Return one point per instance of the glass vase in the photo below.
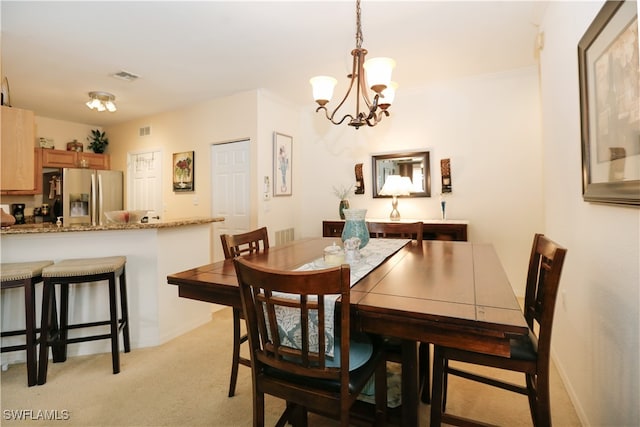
(355, 226)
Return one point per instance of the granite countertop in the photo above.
(52, 228)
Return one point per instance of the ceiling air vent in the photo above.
(125, 75)
(144, 131)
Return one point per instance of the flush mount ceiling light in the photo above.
(101, 101)
(378, 78)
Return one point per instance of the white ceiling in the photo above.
(54, 53)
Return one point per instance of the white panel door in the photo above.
(144, 182)
(230, 174)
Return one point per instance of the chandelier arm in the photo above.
(378, 117)
(354, 76)
(362, 81)
(330, 118)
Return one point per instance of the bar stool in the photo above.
(25, 275)
(78, 271)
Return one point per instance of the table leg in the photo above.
(409, 383)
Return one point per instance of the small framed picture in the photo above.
(282, 164)
(183, 171)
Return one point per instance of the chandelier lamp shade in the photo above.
(396, 185)
(102, 101)
(371, 75)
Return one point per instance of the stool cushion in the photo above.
(10, 271)
(84, 266)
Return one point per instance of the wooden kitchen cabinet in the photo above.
(72, 159)
(431, 229)
(37, 177)
(17, 158)
(95, 161)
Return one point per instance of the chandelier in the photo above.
(378, 79)
(101, 101)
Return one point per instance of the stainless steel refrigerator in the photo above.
(87, 194)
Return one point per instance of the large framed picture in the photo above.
(282, 164)
(183, 171)
(609, 77)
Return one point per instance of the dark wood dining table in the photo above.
(449, 293)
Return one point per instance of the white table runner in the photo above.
(372, 255)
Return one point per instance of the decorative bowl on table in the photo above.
(125, 217)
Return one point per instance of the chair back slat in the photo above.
(247, 243)
(405, 230)
(265, 291)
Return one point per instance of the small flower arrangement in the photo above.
(342, 192)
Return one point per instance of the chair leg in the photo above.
(258, 409)
(124, 312)
(294, 415)
(381, 394)
(538, 392)
(235, 361)
(437, 398)
(424, 366)
(113, 322)
(445, 384)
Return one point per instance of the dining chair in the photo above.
(408, 230)
(294, 365)
(529, 355)
(234, 245)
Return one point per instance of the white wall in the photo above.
(596, 331)
(277, 115)
(489, 126)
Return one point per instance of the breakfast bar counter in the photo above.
(48, 227)
(153, 251)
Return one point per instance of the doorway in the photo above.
(144, 182)
(230, 186)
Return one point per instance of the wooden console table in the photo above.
(432, 229)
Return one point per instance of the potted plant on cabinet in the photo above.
(97, 141)
(342, 193)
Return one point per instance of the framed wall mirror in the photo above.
(414, 165)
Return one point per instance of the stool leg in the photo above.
(45, 325)
(59, 345)
(124, 308)
(113, 309)
(30, 331)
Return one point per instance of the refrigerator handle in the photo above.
(100, 201)
(94, 199)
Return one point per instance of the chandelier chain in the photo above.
(359, 38)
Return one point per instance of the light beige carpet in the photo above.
(184, 383)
